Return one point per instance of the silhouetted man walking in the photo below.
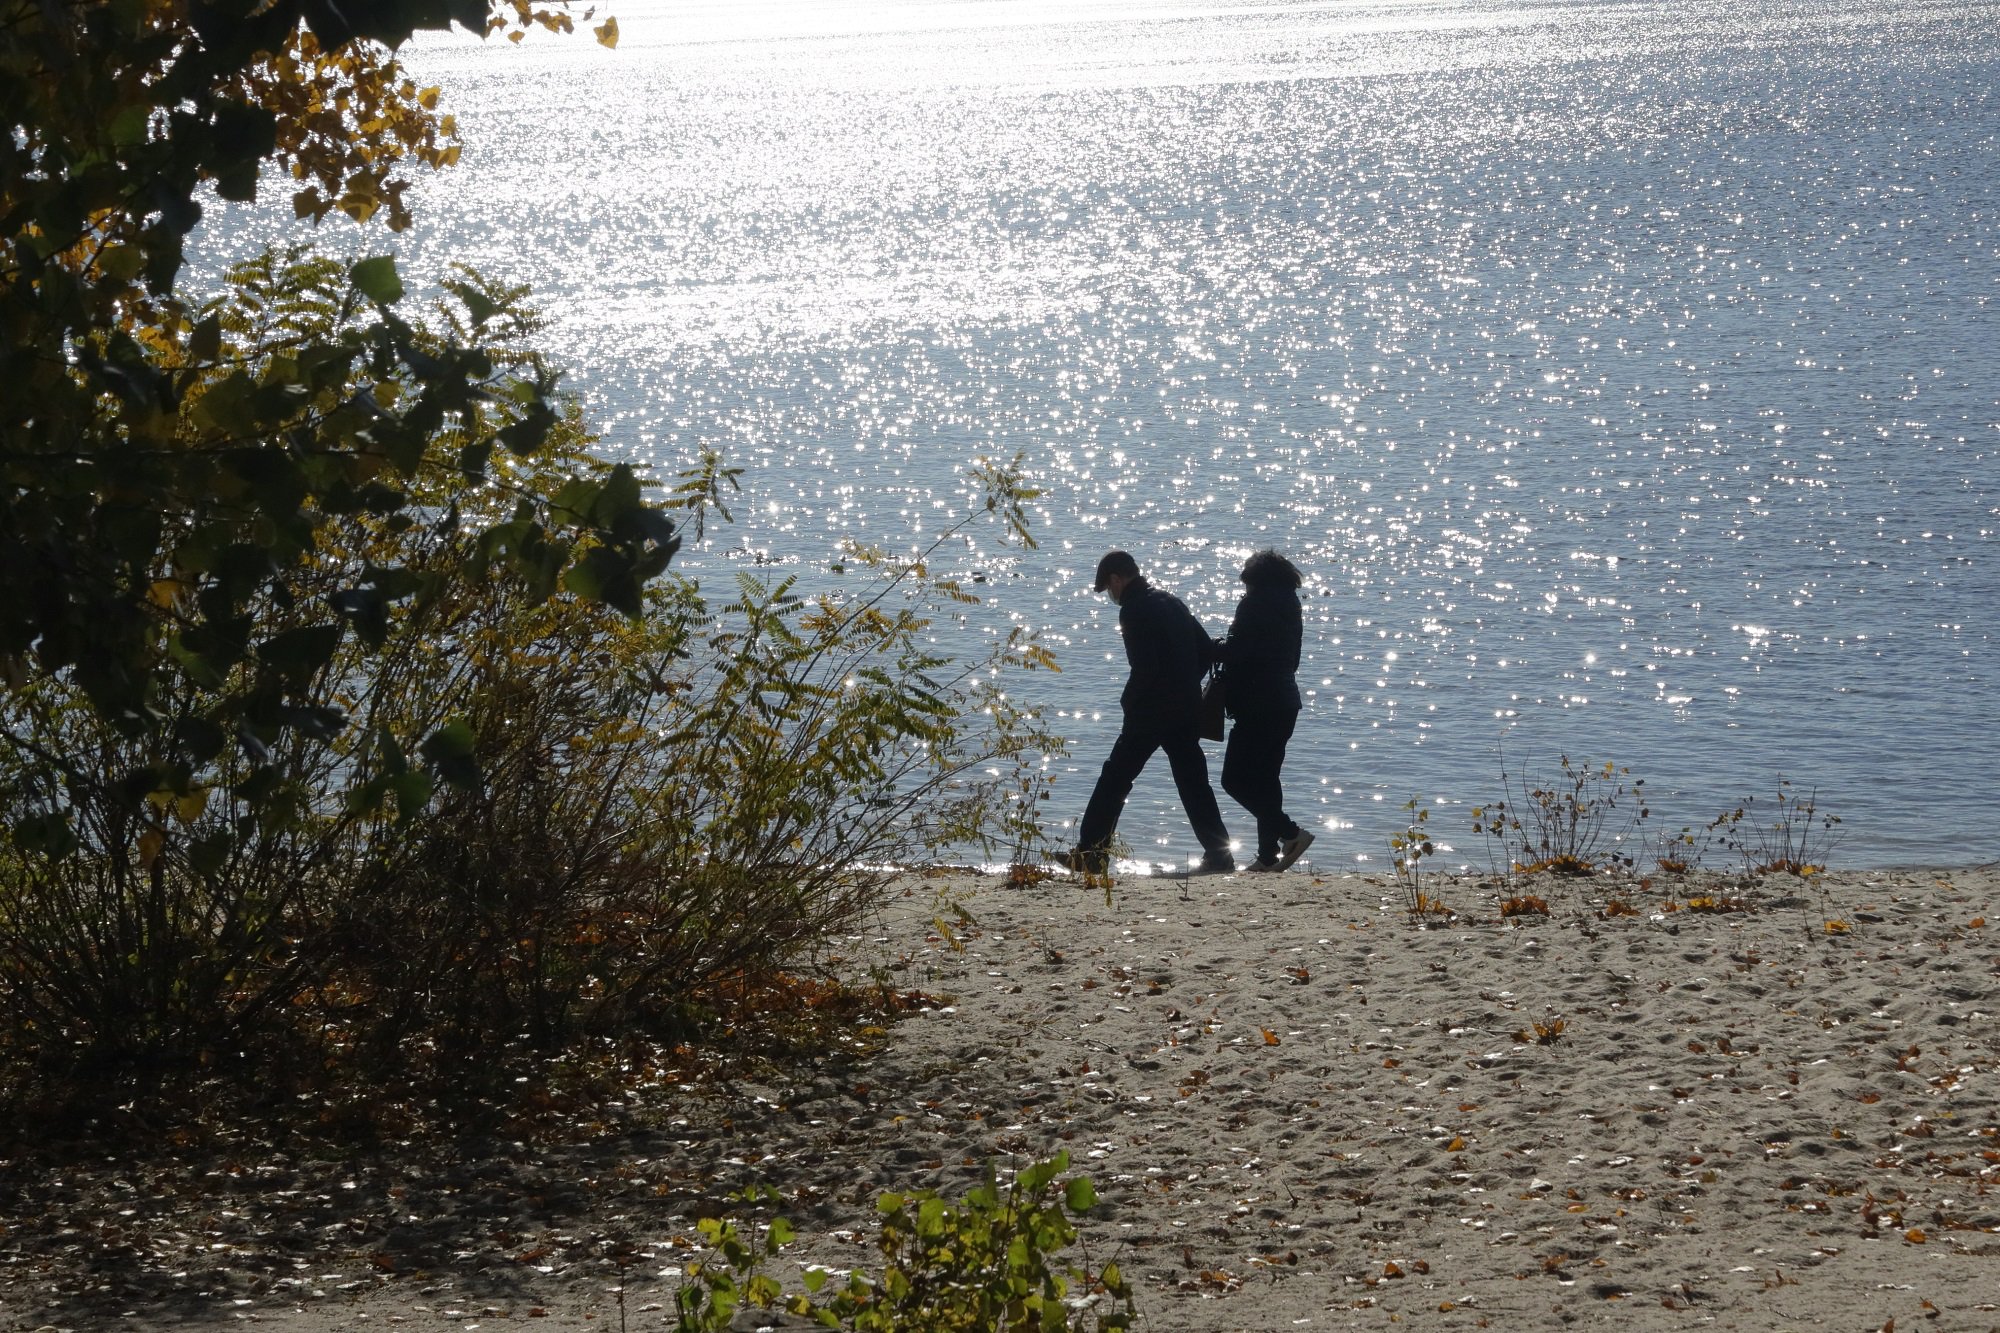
(1168, 651)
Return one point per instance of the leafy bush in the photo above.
(171, 860)
(980, 1266)
(497, 806)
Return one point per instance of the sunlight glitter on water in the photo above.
(1621, 374)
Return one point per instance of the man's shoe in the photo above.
(1217, 863)
(1261, 867)
(1292, 848)
(1085, 862)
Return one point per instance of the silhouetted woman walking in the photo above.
(1261, 658)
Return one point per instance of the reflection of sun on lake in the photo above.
(1619, 374)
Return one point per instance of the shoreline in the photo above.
(1299, 1109)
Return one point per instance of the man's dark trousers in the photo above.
(1128, 757)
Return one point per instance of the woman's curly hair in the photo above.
(1268, 569)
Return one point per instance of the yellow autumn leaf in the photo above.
(190, 806)
(150, 843)
(607, 33)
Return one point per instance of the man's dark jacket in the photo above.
(1261, 653)
(1169, 652)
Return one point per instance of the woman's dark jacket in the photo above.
(1169, 651)
(1262, 652)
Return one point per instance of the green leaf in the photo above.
(412, 790)
(237, 182)
(576, 499)
(367, 610)
(123, 262)
(606, 575)
(132, 533)
(49, 834)
(130, 125)
(204, 670)
(205, 340)
(1036, 1177)
(404, 441)
(297, 654)
(450, 751)
(199, 738)
(528, 434)
(377, 280)
(478, 306)
(366, 798)
(1080, 1194)
(225, 406)
(618, 496)
(318, 721)
(209, 853)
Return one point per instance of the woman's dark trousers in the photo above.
(1250, 768)
(1128, 756)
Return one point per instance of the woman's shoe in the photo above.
(1293, 848)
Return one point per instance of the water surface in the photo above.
(1623, 374)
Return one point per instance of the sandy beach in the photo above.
(1301, 1109)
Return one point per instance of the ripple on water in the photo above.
(1620, 374)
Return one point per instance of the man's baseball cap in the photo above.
(1118, 562)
